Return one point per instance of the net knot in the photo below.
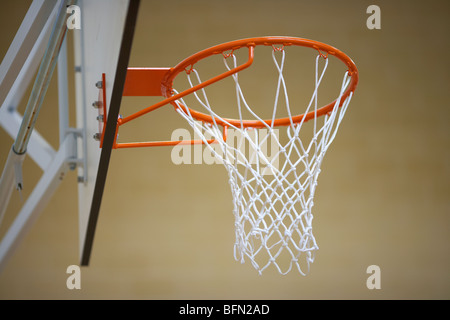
(189, 69)
(227, 55)
(325, 56)
(279, 49)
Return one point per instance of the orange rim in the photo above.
(187, 65)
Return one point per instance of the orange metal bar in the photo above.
(144, 83)
(160, 143)
(164, 143)
(190, 90)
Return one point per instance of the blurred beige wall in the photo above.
(167, 231)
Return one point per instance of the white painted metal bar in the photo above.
(17, 69)
(37, 201)
(29, 68)
(43, 78)
(20, 48)
(81, 116)
(38, 149)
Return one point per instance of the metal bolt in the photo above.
(99, 84)
(97, 136)
(100, 118)
(97, 104)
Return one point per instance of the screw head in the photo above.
(97, 136)
(99, 84)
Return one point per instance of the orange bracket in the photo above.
(146, 82)
(152, 82)
(157, 82)
(142, 82)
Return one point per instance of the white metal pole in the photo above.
(63, 92)
(81, 116)
(42, 79)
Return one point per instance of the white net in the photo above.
(272, 191)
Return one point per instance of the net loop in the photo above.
(323, 55)
(227, 55)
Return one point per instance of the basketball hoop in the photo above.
(272, 195)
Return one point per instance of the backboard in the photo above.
(102, 47)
